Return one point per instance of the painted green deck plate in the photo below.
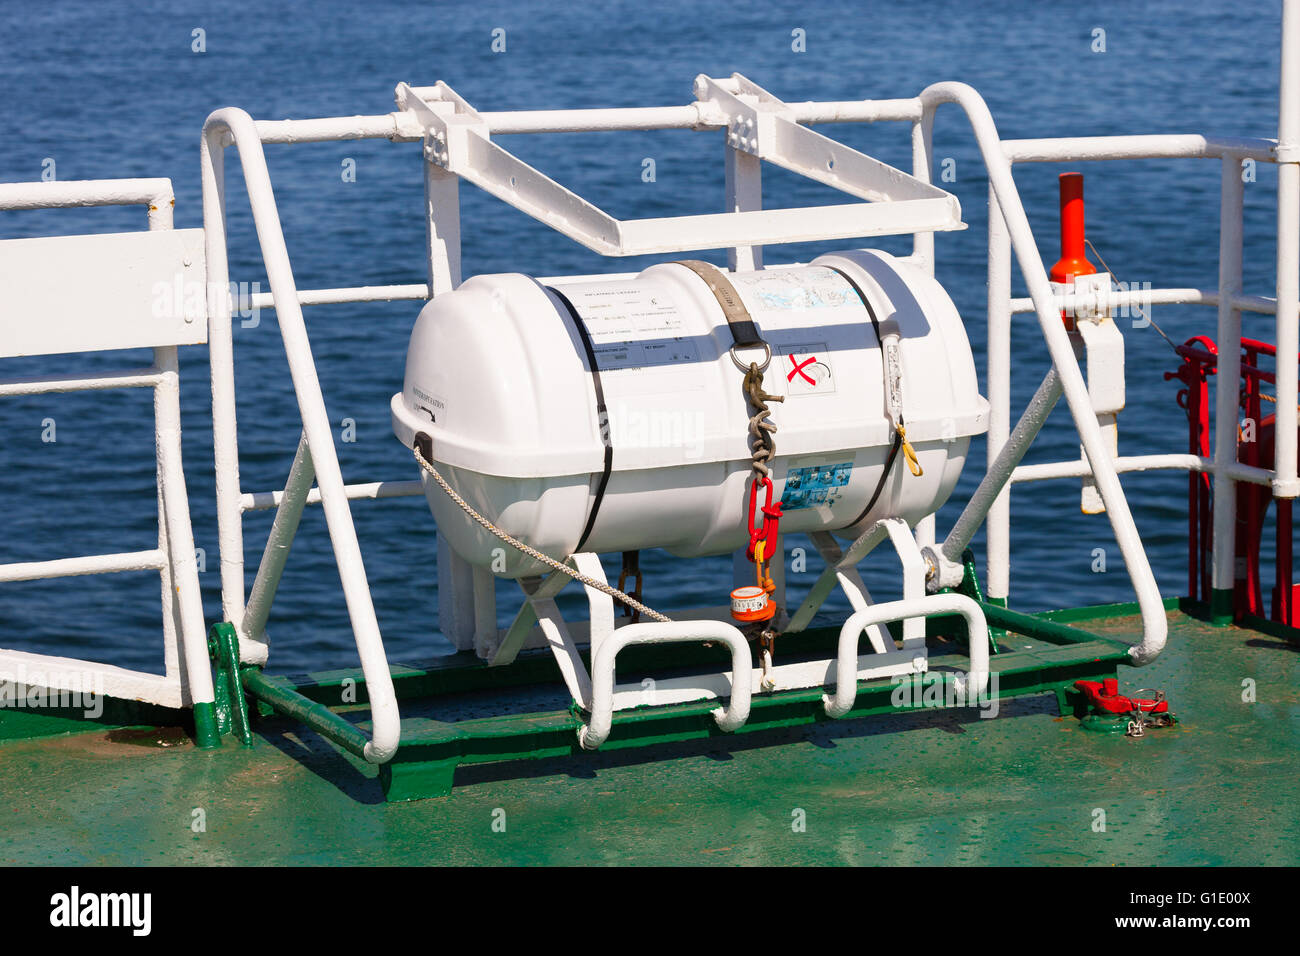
(940, 787)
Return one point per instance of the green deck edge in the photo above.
(431, 750)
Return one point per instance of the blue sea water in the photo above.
(116, 90)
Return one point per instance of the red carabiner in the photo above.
(771, 518)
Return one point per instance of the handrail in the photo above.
(596, 730)
(1154, 624)
(846, 667)
(235, 127)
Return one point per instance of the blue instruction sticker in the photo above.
(815, 485)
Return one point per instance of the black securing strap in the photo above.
(602, 414)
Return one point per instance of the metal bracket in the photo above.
(762, 125)
(231, 708)
(457, 139)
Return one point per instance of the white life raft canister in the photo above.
(609, 415)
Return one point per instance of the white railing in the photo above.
(1227, 299)
(187, 679)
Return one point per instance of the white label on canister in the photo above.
(814, 287)
(429, 404)
(806, 368)
(637, 333)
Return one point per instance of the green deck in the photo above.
(938, 787)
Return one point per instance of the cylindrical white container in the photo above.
(499, 375)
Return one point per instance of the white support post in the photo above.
(744, 184)
(909, 555)
(841, 570)
(1227, 390)
(221, 358)
(923, 256)
(922, 169)
(1286, 484)
(184, 604)
(442, 228)
(467, 611)
(997, 529)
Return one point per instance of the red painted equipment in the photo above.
(1105, 697)
(1200, 360)
(1073, 261)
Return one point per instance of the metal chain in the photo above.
(761, 430)
(532, 552)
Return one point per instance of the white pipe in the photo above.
(176, 533)
(846, 666)
(371, 293)
(1078, 468)
(154, 193)
(221, 363)
(1154, 624)
(316, 425)
(143, 378)
(1286, 484)
(1160, 146)
(998, 474)
(152, 560)
(276, 553)
(1115, 299)
(404, 127)
(372, 490)
(596, 731)
(922, 146)
(395, 126)
(998, 528)
(1228, 377)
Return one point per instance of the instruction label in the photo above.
(633, 329)
(815, 485)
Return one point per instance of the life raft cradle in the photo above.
(457, 146)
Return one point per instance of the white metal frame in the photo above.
(457, 144)
(1227, 298)
(187, 679)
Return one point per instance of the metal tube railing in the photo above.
(1154, 623)
(239, 127)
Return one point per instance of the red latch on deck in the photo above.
(1105, 697)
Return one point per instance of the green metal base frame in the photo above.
(431, 750)
(430, 753)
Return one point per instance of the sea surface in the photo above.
(99, 90)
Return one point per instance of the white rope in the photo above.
(534, 553)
